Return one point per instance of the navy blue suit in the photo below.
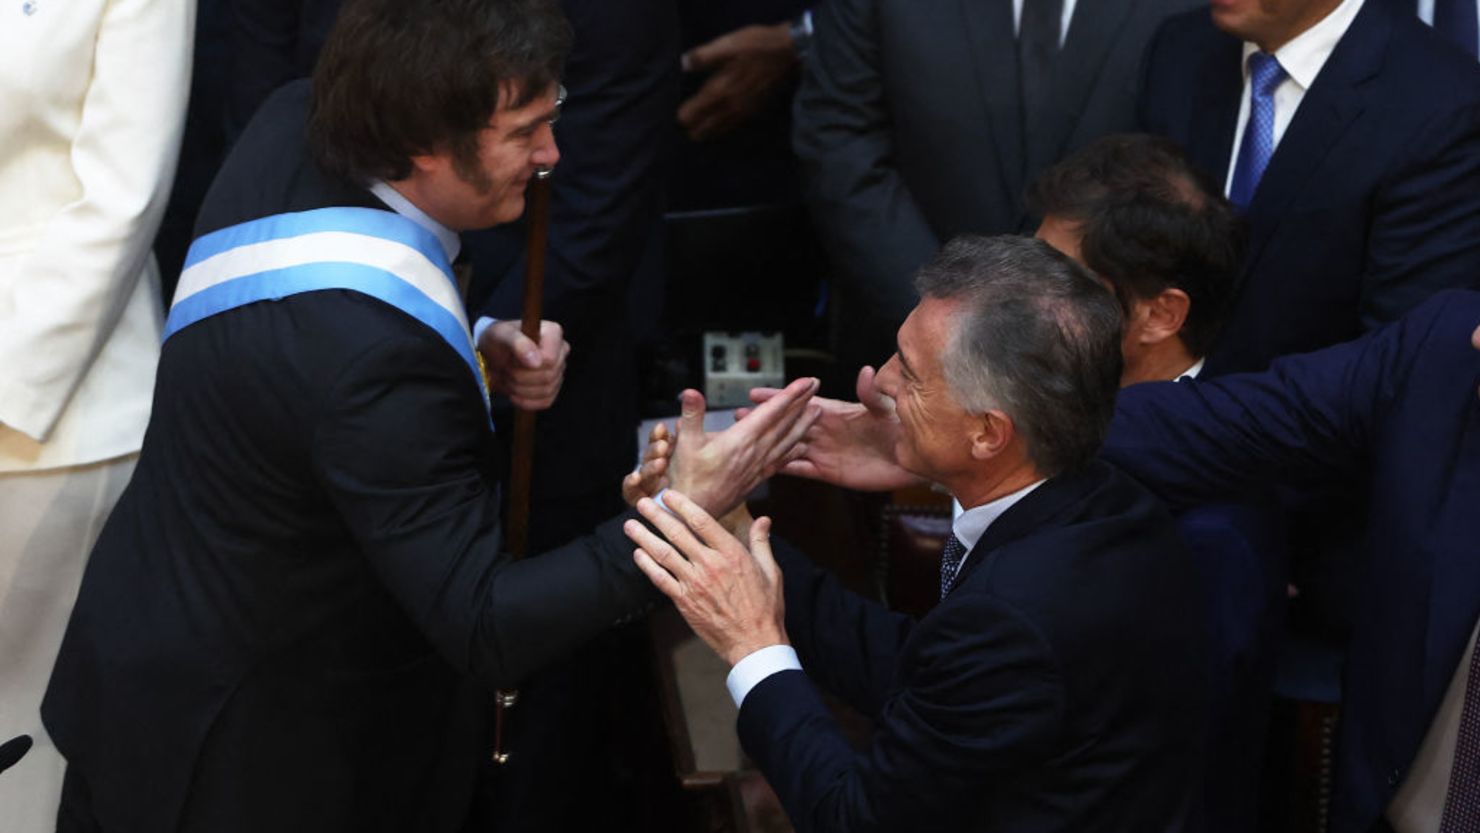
(1056, 688)
(293, 617)
(1371, 202)
(1397, 411)
(1240, 553)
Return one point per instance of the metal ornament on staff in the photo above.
(521, 468)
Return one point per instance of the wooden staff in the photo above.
(521, 468)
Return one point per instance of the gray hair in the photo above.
(1037, 337)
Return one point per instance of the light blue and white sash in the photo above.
(366, 250)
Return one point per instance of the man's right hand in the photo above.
(851, 444)
(718, 470)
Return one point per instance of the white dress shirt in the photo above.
(451, 242)
(969, 527)
(1301, 59)
(1017, 18)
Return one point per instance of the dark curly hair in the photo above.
(401, 78)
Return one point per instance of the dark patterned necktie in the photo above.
(950, 563)
(1462, 804)
(1038, 48)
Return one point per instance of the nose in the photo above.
(546, 154)
(887, 379)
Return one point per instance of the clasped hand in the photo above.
(529, 374)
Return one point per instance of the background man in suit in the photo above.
(94, 103)
(292, 618)
(1054, 687)
(1395, 411)
(1135, 212)
(1349, 133)
(916, 122)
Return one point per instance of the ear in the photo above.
(992, 433)
(1162, 317)
(429, 163)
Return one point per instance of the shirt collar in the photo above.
(1191, 372)
(1305, 54)
(451, 243)
(972, 523)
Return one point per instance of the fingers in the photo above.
(777, 409)
(524, 348)
(707, 55)
(660, 577)
(659, 550)
(673, 530)
(691, 414)
(773, 437)
(552, 340)
(760, 544)
(702, 524)
(803, 468)
(784, 449)
(659, 432)
(870, 395)
(761, 395)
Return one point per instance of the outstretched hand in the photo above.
(717, 470)
(729, 595)
(851, 444)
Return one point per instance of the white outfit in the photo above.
(92, 105)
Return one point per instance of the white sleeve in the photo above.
(758, 665)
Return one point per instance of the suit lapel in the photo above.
(1032, 513)
(1215, 112)
(1330, 106)
(1093, 29)
(987, 25)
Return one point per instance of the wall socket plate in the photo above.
(736, 362)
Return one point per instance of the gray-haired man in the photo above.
(1054, 687)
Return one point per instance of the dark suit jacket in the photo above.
(1058, 687)
(1397, 411)
(1240, 556)
(283, 621)
(909, 129)
(1371, 202)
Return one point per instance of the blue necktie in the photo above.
(950, 563)
(1265, 74)
(1456, 20)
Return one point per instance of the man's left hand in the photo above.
(731, 597)
(529, 374)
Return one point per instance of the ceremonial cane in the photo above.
(521, 469)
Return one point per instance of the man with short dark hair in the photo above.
(1055, 685)
(294, 617)
(1134, 211)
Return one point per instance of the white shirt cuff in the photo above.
(482, 324)
(758, 665)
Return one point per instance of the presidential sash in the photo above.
(365, 250)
